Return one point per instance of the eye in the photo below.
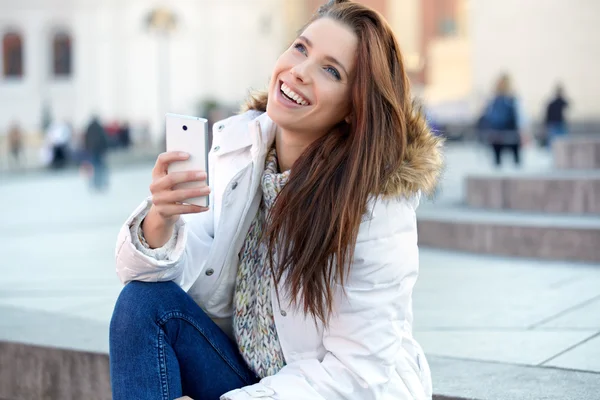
(301, 48)
(334, 72)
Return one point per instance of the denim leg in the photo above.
(163, 346)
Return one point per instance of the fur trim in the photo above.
(422, 165)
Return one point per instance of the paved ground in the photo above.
(58, 286)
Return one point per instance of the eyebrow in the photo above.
(328, 58)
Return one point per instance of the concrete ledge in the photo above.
(577, 152)
(33, 372)
(554, 194)
(545, 242)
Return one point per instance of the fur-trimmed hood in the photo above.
(422, 165)
(420, 170)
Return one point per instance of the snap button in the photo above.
(209, 272)
(234, 185)
(221, 127)
(283, 313)
(217, 148)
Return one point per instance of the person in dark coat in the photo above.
(555, 122)
(96, 146)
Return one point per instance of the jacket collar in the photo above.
(252, 128)
(263, 131)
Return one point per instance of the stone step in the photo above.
(35, 372)
(510, 233)
(579, 152)
(575, 192)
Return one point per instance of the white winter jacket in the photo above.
(367, 351)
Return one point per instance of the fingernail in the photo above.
(199, 174)
(183, 154)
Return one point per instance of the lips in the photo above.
(293, 95)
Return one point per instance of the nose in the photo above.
(300, 72)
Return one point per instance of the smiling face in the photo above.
(310, 90)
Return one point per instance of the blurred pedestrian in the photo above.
(96, 146)
(500, 126)
(555, 122)
(58, 138)
(15, 144)
(112, 130)
(124, 135)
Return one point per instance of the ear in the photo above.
(348, 118)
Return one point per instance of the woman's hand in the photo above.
(167, 201)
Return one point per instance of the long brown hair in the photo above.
(313, 225)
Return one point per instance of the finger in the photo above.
(167, 182)
(172, 210)
(179, 196)
(163, 161)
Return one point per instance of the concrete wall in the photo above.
(405, 18)
(448, 70)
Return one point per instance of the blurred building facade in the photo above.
(136, 60)
(131, 60)
(457, 49)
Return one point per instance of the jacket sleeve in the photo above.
(182, 260)
(368, 339)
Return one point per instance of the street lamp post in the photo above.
(162, 22)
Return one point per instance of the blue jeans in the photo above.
(163, 346)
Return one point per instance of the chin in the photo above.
(290, 119)
(280, 118)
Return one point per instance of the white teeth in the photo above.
(293, 95)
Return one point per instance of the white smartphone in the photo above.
(190, 135)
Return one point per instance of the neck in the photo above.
(289, 147)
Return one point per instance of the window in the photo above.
(61, 55)
(12, 55)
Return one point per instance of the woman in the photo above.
(501, 124)
(297, 282)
